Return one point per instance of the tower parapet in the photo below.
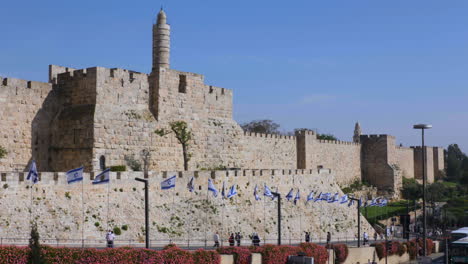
(161, 42)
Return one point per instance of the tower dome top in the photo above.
(161, 17)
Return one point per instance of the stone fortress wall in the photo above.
(176, 213)
(99, 117)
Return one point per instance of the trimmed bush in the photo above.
(118, 168)
(242, 255)
(341, 252)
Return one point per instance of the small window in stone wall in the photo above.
(102, 163)
(182, 83)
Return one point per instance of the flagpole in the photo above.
(173, 211)
(206, 215)
(222, 219)
(108, 202)
(190, 220)
(82, 212)
(264, 220)
(31, 206)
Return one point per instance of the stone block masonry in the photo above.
(99, 117)
(175, 214)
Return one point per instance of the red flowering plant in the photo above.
(206, 257)
(341, 252)
(175, 255)
(272, 254)
(17, 255)
(319, 253)
(242, 255)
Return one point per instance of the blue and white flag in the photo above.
(103, 177)
(232, 191)
(212, 188)
(373, 202)
(168, 183)
(223, 192)
(326, 197)
(75, 175)
(344, 199)
(33, 175)
(351, 202)
(310, 197)
(297, 197)
(334, 198)
(383, 202)
(289, 196)
(190, 185)
(257, 198)
(267, 191)
(318, 198)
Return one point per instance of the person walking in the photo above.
(375, 236)
(110, 239)
(307, 237)
(216, 240)
(231, 240)
(255, 240)
(366, 238)
(238, 239)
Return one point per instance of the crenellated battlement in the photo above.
(377, 136)
(33, 86)
(124, 74)
(59, 178)
(218, 91)
(261, 135)
(338, 142)
(306, 132)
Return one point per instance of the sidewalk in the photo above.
(435, 258)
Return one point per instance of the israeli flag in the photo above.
(257, 198)
(344, 199)
(168, 183)
(267, 191)
(326, 197)
(190, 185)
(33, 175)
(297, 197)
(334, 198)
(373, 202)
(232, 191)
(383, 202)
(310, 197)
(103, 177)
(75, 175)
(289, 196)
(351, 202)
(223, 192)
(318, 198)
(212, 188)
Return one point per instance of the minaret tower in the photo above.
(357, 133)
(161, 42)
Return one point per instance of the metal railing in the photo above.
(159, 244)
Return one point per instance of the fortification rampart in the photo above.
(174, 214)
(269, 151)
(429, 163)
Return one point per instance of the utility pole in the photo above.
(145, 181)
(278, 195)
(359, 220)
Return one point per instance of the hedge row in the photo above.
(171, 254)
(413, 248)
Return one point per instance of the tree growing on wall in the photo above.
(261, 126)
(183, 135)
(326, 137)
(3, 152)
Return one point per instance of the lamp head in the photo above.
(422, 126)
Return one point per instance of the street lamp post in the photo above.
(359, 220)
(422, 127)
(145, 181)
(278, 195)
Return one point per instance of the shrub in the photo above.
(175, 255)
(242, 255)
(118, 168)
(341, 252)
(117, 231)
(206, 257)
(125, 227)
(319, 253)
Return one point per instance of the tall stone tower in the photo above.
(357, 133)
(161, 42)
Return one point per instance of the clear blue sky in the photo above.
(313, 64)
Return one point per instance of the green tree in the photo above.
(261, 126)
(3, 152)
(411, 190)
(183, 135)
(326, 137)
(457, 162)
(34, 245)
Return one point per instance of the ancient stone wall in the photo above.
(24, 119)
(439, 165)
(405, 161)
(429, 163)
(175, 214)
(344, 158)
(269, 151)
